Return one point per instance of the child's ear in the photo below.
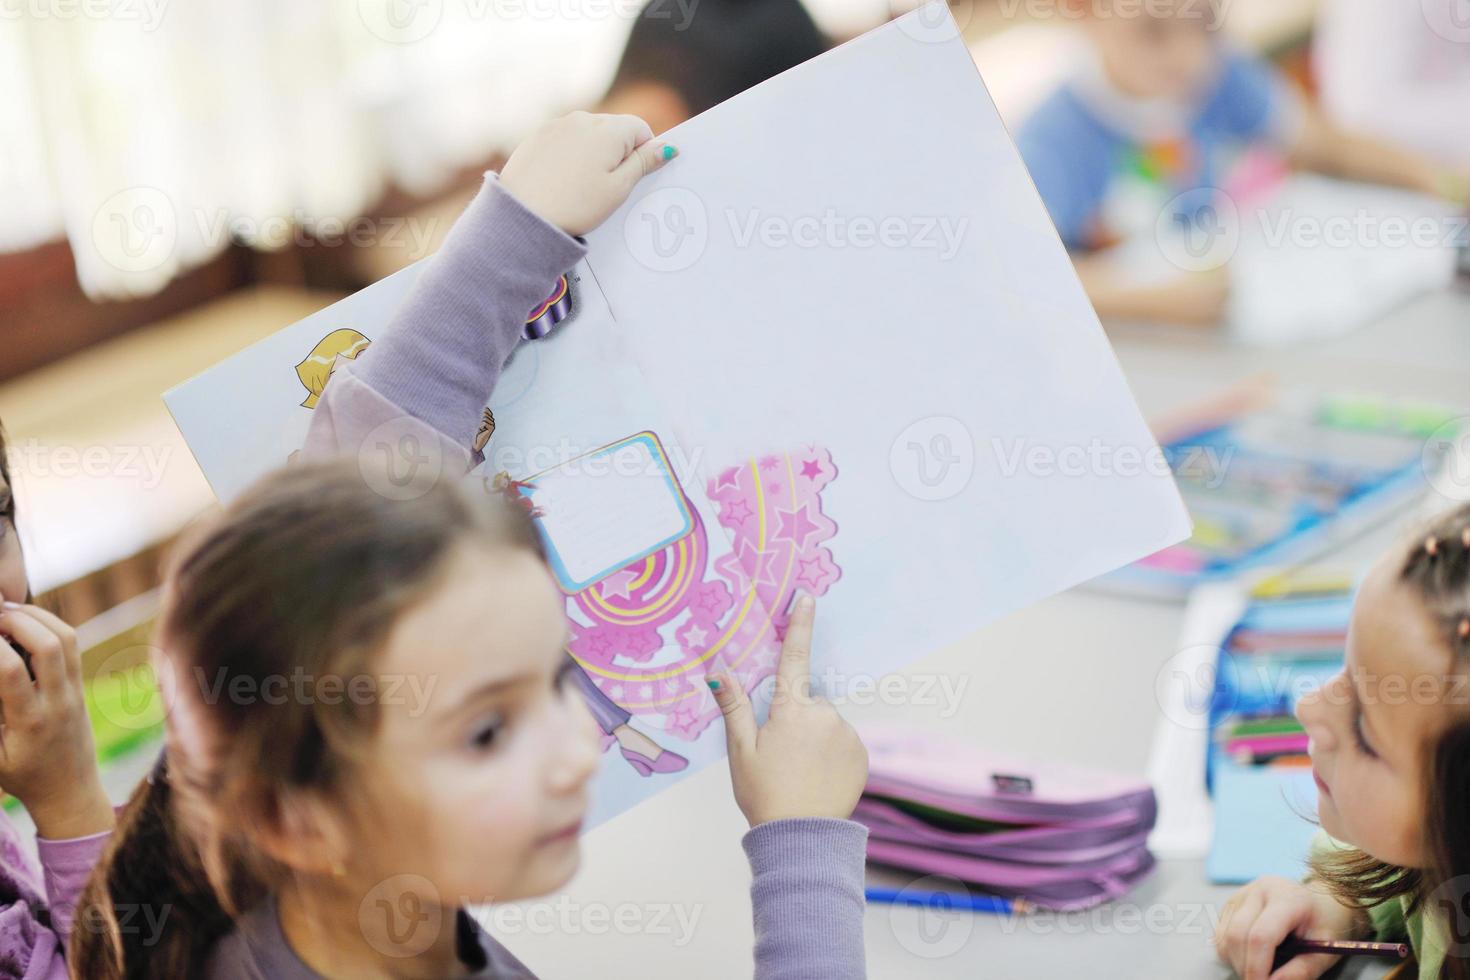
(303, 832)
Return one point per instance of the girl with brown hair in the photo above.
(370, 722)
(1390, 747)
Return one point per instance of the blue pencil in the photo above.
(947, 901)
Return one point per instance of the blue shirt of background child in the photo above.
(1078, 152)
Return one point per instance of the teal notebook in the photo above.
(1265, 807)
(1263, 823)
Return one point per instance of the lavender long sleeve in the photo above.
(28, 947)
(439, 359)
(436, 365)
(807, 895)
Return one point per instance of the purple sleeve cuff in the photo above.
(441, 357)
(65, 866)
(807, 897)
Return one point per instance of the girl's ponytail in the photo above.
(149, 910)
(302, 577)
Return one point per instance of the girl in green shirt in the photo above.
(1390, 747)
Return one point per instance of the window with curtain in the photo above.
(151, 133)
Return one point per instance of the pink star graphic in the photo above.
(597, 644)
(746, 549)
(797, 526)
(737, 511)
(765, 569)
(730, 478)
(811, 469)
(710, 598)
(618, 583)
(811, 572)
(770, 462)
(733, 570)
(694, 637)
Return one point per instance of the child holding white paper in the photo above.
(1157, 110)
(48, 761)
(311, 839)
(1390, 747)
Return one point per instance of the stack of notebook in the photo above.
(1288, 641)
(1272, 478)
(1054, 836)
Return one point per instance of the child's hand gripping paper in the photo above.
(577, 170)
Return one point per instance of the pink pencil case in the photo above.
(1058, 836)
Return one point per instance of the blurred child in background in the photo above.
(677, 65)
(1400, 71)
(1161, 107)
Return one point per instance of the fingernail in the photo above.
(670, 151)
(10, 605)
(805, 603)
(713, 682)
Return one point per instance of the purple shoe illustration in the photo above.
(665, 761)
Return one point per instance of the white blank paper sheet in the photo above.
(853, 255)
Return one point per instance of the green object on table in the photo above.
(1379, 415)
(1266, 726)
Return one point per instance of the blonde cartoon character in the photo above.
(317, 369)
